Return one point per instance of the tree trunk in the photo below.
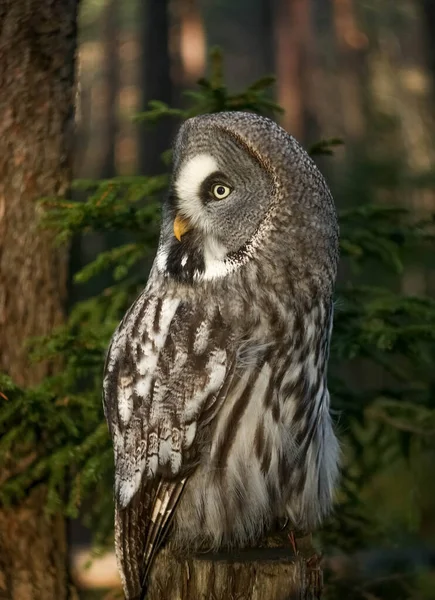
(33, 553)
(37, 56)
(292, 35)
(155, 82)
(267, 573)
(352, 45)
(267, 37)
(111, 96)
(192, 43)
(428, 21)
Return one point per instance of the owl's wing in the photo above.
(167, 372)
(140, 529)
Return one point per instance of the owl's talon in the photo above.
(291, 537)
(314, 561)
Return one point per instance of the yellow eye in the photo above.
(220, 191)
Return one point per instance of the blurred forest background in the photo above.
(362, 71)
(359, 70)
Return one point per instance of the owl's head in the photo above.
(241, 188)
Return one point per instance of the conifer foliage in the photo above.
(55, 432)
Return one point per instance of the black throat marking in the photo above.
(185, 258)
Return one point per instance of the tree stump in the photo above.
(270, 572)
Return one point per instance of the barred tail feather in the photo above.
(130, 535)
(141, 529)
(163, 513)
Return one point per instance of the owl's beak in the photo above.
(181, 226)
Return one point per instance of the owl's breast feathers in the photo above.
(221, 404)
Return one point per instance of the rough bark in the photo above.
(37, 52)
(33, 553)
(37, 48)
(273, 573)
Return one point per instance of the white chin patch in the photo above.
(214, 260)
(188, 185)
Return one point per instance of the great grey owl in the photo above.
(215, 386)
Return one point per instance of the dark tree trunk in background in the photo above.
(292, 27)
(351, 48)
(83, 115)
(111, 75)
(155, 81)
(428, 11)
(267, 36)
(191, 40)
(37, 56)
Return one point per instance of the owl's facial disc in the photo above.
(215, 191)
(220, 194)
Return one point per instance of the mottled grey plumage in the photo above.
(215, 386)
